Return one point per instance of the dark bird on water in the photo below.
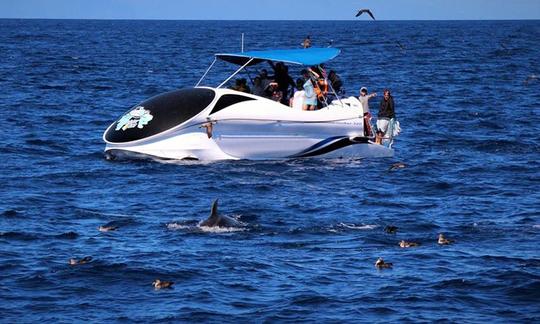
(361, 11)
(107, 228)
(406, 244)
(380, 264)
(81, 261)
(443, 240)
(391, 229)
(159, 284)
(398, 165)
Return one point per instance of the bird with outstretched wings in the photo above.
(361, 11)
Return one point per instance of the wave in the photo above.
(357, 227)
(11, 213)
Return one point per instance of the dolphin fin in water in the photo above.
(214, 218)
(219, 220)
(214, 212)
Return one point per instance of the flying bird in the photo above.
(361, 11)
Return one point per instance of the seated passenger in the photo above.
(276, 94)
(335, 82)
(243, 86)
(258, 88)
(265, 78)
(297, 101)
(237, 85)
(321, 90)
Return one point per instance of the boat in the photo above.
(213, 123)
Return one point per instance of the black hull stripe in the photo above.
(318, 145)
(340, 143)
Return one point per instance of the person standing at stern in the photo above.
(364, 100)
(386, 113)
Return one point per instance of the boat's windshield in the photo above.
(159, 114)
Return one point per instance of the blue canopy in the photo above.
(308, 56)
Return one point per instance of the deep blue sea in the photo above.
(467, 95)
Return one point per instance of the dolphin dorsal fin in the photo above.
(214, 212)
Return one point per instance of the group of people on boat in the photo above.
(315, 89)
(311, 91)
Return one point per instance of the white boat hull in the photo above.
(254, 129)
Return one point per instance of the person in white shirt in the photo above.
(297, 101)
(364, 100)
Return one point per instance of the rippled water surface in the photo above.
(313, 228)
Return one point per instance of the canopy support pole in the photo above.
(207, 70)
(235, 73)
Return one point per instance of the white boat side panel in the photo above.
(266, 147)
(264, 109)
(191, 145)
(238, 127)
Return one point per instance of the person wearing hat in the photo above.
(364, 100)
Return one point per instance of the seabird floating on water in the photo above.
(361, 11)
(443, 240)
(405, 244)
(380, 264)
(399, 165)
(107, 228)
(158, 284)
(84, 260)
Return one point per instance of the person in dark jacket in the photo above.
(386, 112)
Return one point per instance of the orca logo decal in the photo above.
(137, 117)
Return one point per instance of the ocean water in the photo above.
(313, 228)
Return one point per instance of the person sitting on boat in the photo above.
(297, 101)
(258, 88)
(364, 100)
(335, 82)
(321, 90)
(236, 86)
(386, 113)
(244, 86)
(241, 85)
(318, 75)
(275, 93)
(310, 99)
(265, 78)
